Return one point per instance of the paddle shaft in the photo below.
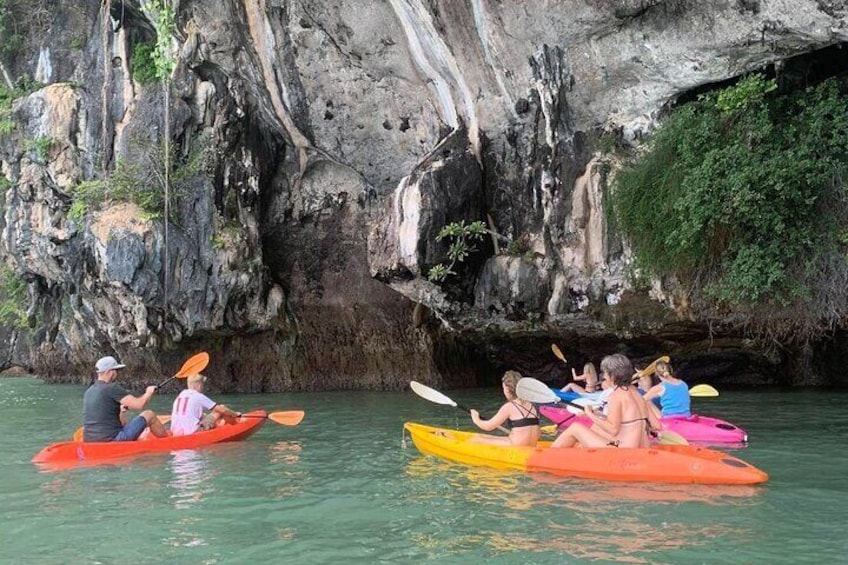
(437, 397)
(283, 418)
(467, 409)
(573, 404)
(192, 366)
(166, 381)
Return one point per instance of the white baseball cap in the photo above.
(107, 364)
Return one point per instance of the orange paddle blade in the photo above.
(289, 418)
(194, 365)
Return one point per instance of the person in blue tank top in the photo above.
(672, 392)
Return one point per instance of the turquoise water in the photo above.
(341, 488)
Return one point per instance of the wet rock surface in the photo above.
(338, 137)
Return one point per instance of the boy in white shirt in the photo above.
(187, 415)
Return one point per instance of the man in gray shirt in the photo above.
(105, 403)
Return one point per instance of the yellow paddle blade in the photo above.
(558, 353)
(703, 391)
(671, 438)
(289, 418)
(193, 365)
(549, 429)
(652, 368)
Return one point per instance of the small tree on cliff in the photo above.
(461, 237)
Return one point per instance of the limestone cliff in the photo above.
(337, 138)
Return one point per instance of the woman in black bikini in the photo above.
(628, 418)
(520, 416)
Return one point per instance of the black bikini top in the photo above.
(529, 418)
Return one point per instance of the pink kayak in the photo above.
(694, 428)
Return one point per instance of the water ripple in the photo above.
(341, 487)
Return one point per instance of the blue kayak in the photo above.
(569, 396)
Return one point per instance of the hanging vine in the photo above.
(106, 89)
(164, 63)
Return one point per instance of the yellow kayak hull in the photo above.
(661, 463)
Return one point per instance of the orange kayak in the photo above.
(661, 463)
(72, 453)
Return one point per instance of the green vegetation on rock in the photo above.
(141, 181)
(741, 195)
(143, 66)
(460, 235)
(13, 298)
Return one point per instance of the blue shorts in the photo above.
(132, 430)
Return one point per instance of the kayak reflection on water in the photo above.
(191, 480)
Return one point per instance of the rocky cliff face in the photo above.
(338, 137)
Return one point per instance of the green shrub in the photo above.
(7, 97)
(78, 210)
(13, 299)
(460, 236)
(741, 194)
(40, 146)
(165, 24)
(143, 67)
(518, 247)
(141, 181)
(126, 184)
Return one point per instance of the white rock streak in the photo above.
(480, 22)
(435, 60)
(407, 214)
(265, 45)
(44, 69)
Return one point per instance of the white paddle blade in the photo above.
(430, 394)
(581, 401)
(575, 410)
(531, 390)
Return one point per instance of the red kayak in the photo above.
(72, 453)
